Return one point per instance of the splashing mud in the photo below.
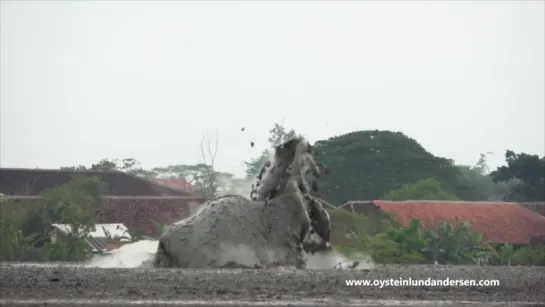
(269, 229)
(284, 224)
(334, 260)
(140, 254)
(133, 255)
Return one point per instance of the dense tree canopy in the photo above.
(425, 189)
(366, 165)
(478, 176)
(127, 165)
(529, 173)
(203, 177)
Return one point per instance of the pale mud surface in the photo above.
(70, 285)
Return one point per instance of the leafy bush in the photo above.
(12, 239)
(25, 228)
(394, 245)
(72, 248)
(507, 254)
(389, 243)
(426, 189)
(530, 256)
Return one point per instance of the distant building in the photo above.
(31, 182)
(138, 203)
(500, 222)
(538, 207)
(178, 184)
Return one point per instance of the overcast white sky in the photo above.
(86, 80)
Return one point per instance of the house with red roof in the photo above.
(500, 222)
(178, 184)
(538, 207)
(136, 202)
(31, 182)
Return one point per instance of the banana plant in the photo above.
(117, 238)
(412, 238)
(450, 244)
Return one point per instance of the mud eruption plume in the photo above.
(293, 161)
(293, 166)
(270, 229)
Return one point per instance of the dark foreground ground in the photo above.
(73, 286)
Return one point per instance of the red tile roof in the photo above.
(177, 184)
(538, 207)
(500, 222)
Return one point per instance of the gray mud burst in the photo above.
(267, 230)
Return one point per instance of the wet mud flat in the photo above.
(73, 286)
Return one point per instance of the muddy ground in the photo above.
(517, 284)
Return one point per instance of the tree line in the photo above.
(368, 165)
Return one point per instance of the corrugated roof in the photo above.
(500, 222)
(98, 244)
(114, 229)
